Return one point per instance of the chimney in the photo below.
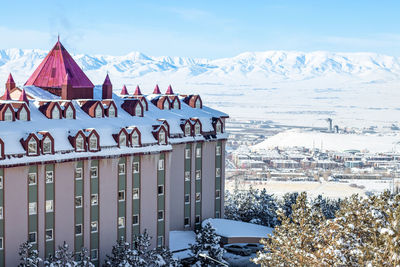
(137, 91)
(157, 90)
(10, 84)
(23, 97)
(169, 91)
(124, 91)
(66, 88)
(107, 88)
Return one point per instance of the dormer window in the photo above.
(188, 129)
(218, 127)
(32, 147)
(111, 111)
(166, 104)
(139, 110)
(47, 144)
(93, 142)
(122, 139)
(69, 113)
(162, 138)
(8, 114)
(144, 103)
(176, 104)
(135, 139)
(197, 103)
(80, 143)
(98, 111)
(23, 114)
(55, 113)
(197, 128)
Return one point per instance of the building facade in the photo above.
(81, 164)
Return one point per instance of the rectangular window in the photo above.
(1, 243)
(198, 174)
(187, 199)
(1, 213)
(1, 182)
(187, 153)
(121, 222)
(218, 151)
(135, 219)
(49, 206)
(160, 164)
(78, 202)
(78, 173)
(49, 177)
(217, 214)
(198, 197)
(121, 168)
(218, 172)
(135, 193)
(160, 241)
(217, 193)
(78, 229)
(94, 254)
(160, 190)
(160, 215)
(197, 219)
(32, 237)
(94, 199)
(32, 208)
(121, 195)
(49, 234)
(32, 178)
(187, 176)
(198, 152)
(94, 227)
(186, 221)
(136, 167)
(93, 172)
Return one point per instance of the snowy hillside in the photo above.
(283, 86)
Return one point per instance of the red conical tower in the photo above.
(169, 91)
(137, 91)
(157, 90)
(10, 84)
(23, 97)
(107, 88)
(124, 91)
(66, 87)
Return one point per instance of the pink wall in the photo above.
(208, 181)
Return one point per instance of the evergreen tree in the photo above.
(121, 254)
(29, 257)
(62, 257)
(207, 243)
(84, 259)
(265, 208)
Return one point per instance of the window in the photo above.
(218, 127)
(135, 138)
(1, 182)
(94, 199)
(78, 229)
(160, 215)
(49, 177)
(161, 137)
(166, 104)
(198, 152)
(55, 113)
(135, 219)
(197, 128)
(111, 111)
(49, 206)
(135, 193)
(80, 143)
(188, 129)
(32, 237)
(138, 110)
(136, 167)
(176, 104)
(23, 115)
(122, 139)
(1, 243)
(98, 111)
(187, 176)
(218, 151)
(197, 219)
(94, 227)
(218, 172)
(187, 153)
(8, 115)
(78, 202)
(198, 197)
(160, 190)
(32, 208)
(186, 221)
(32, 178)
(121, 222)
(144, 103)
(160, 241)
(1, 213)
(49, 234)
(198, 103)
(217, 214)
(93, 142)
(94, 254)
(217, 193)
(93, 172)
(78, 173)
(160, 164)
(187, 199)
(32, 147)
(121, 168)
(69, 113)
(198, 174)
(47, 145)
(121, 195)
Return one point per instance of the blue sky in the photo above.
(202, 28)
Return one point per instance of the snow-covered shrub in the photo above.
(62, 257)
(29, 257)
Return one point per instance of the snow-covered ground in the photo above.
(180, 241)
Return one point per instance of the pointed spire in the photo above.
(137, 91)
(10, 84)
(10, 79)
(124, 91)
(23, 97)
(107, 88)
(157, 90)
(6, 95)
(169, 91)
(107, 81)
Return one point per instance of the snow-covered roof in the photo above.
(230, 228)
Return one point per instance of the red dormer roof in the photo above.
(51, 72)
(169, 91)
(137, 91)
(124, 91)
(6, 95)
(23, 96)
(157, 90)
